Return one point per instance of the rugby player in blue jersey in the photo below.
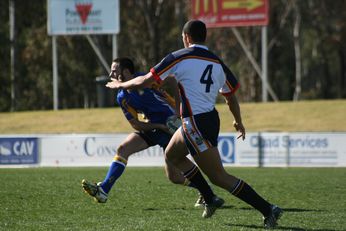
(161, 121)
(201, 75)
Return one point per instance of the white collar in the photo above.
(200, 46)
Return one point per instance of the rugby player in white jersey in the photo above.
(201, 75)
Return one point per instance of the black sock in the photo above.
(196, 177)
(244, 192)
(189, 184)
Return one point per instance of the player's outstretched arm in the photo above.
(136, 83)
(234, 107)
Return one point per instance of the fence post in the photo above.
(260, 150)
(288, 156)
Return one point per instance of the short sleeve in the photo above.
(231, 84)
(164, 69)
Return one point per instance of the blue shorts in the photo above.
(155, 137)
(201, 131)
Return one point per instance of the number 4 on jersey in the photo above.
(206, 77)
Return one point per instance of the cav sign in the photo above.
(18, 151)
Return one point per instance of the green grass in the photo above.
(143, 199)
(323, 115)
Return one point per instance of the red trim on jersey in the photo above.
(233, 90)
(156, 76)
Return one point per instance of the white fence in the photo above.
(267, 149)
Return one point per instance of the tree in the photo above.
(310, 64)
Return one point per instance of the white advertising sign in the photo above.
(267, 149)
(306, 149)
(92, 150)
(71, 17)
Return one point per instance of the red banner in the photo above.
(226, 13)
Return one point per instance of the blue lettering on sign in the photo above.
(18, 150)
(307, 142)
(264, 142)
(288, 142)
(93, 148)
(226, 146)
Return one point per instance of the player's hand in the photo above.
(114, 84)
(239, 127)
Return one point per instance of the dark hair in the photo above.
(196, 29)
(125, 63)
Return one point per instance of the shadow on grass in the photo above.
(245, 208)
(184, 208)
(157, 209)
(258, 226)
(295, 210)
(279, 228)
(286, 210)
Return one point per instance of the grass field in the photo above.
(319, 115)
(143, 199)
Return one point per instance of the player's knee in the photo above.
(223, 180)
(122, 152)
(175, 179)
(120, 149)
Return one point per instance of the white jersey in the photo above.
(200, 74)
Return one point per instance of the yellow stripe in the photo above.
(187, 57)
(240, 187)
(120, 159)
(130, 109)
(186, 182)
(193, 173)
(170, 100)
(229, 85)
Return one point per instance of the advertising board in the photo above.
(19, 150)
(93, 150)
(263, 149)
(228, 13)
(71, 17)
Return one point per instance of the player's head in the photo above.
(194, 31)
(122, 69)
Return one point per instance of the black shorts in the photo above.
(155, 137)
(201, 131)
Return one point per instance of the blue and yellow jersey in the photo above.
(151, 102)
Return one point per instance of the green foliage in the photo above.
(5, 82)
(151, 29)
(143, 199)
